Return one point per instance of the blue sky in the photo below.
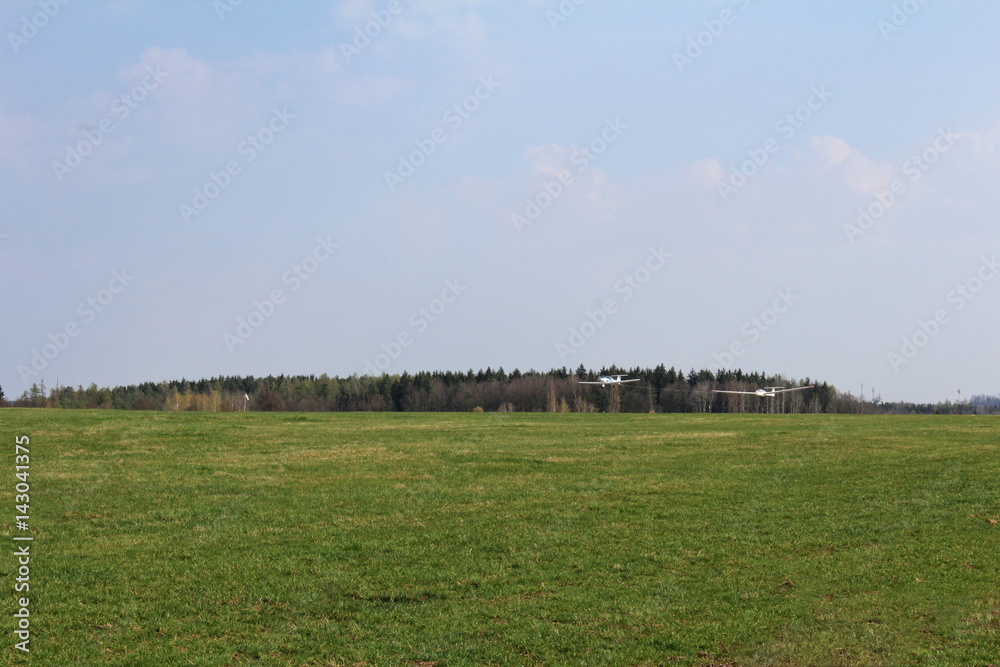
(521, 184)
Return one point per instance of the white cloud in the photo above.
(834, 150)
(547, 159)
(982, 143)
(850, 166)
(704, 174)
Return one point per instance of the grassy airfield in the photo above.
(507, 539)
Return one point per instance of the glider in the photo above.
(766, 391)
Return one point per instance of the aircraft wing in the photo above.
(749, 393)
(632, 380)
(593, 382)
(778, 391)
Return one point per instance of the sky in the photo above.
(216, 187)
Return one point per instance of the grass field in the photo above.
(507, 539)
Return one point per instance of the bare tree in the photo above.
(702, 396)
(614, 399)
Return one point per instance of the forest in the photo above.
(558, 390)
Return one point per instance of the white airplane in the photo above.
(609, 380)
(766, 391)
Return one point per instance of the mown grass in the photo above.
(508, 539)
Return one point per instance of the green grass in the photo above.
(508, 539)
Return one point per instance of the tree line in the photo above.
(559, 390)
